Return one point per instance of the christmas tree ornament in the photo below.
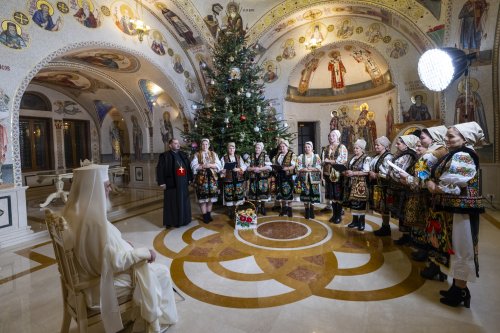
(258, 109)
(226, 99)
(238, 93)
(230, 110)
(256, 129)
(226, 120)
(243, 118)
(248, 94)
(212, 82)
(231, 58)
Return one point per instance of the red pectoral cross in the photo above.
(181, 171)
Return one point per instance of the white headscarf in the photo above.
(360, 143)
(259, 144)
(472, 133)
(384, 141)
(437, 134)
(410, 141)
(309, 143)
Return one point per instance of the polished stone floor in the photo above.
(288, 275)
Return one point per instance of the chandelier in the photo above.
(138, 25)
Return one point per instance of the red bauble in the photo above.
(243, 117)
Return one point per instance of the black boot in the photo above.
(456, 296)
(276, 208)
(289, 210)
(283, 211)
(432, 272)
(311, 211)
(338, 213)
(405, 239)
(420, 255)
(205, 218)
(263, 208)
(306, 214)
(361, 225)
(445, 292)
(355, 222)
(385, 230)
(334, 212)
(230, 212)
(210, 219)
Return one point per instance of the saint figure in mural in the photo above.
(189, 85)
(337, 68)
(389, 119)
(11, 35)
(374, 33)
(166, 129)
(178, 68)
(43, 17)
(180, 27)
(137, 139)
(270, 75)
(305, 75)
(371, 127)
(123, 23)
(334, 122)
(345, 30)
(473, 109)
(87, 15)
(472, 27)
(116, 140)
(157, 45)
(289, 50)
(234, 20)
(398, 50)
(347, 134)
(418, 111)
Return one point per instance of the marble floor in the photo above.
(289, 275)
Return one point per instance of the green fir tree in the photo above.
(235, 109)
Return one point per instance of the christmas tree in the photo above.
(235, 109)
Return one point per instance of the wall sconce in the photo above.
(139, 26)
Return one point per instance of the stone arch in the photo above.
(14, 115)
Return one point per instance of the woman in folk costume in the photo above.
(101, 251)
(418, 205)
(379, 182)
(358, 168)
(284, 164)
(259, 167)
(455, 181)
(405, 159)
(205, 166)
(309, 179)
(334, 156)
(233, 168)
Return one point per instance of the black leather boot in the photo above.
(456, 296)
(385, 230)
(361, 225)
(338, 213)
(433, 272)
(405, 239)
(420, 255)
(334, 212)
(445, 292)
(306, 214)
(205, 218)
(289, 210)
(210, 219)
(311, 211)
(355, 222)
(263, 208)
(283, 211)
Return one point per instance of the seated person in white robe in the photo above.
(101, 251)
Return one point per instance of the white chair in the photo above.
(72, 284)
(86, 162)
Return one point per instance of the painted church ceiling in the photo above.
(72, 81)
(111, 60)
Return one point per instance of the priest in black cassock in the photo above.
(174, 175)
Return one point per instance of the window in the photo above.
(35, 101)
(35, 137)
(76, 142)
(307, 132)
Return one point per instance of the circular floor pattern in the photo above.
(295, 257)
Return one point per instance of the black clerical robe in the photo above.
(174, 172)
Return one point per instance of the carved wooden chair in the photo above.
(72, 284)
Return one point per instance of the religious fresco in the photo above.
(151, 91)
(398, 49)
(63, 79)
(470, 107)
(177, 64)
(13, 36)
(345, 28)
(182, 29)
(270, 71)
(472, 18)
(157, 42)
(375, 33)
(102, 108)
(106, 59)
(288, 49)
(122, 14)
(86, 13)
(43, 15)
(434, 6)
(189, 85)
(419, 108)
(67, 108)
(4, 98)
